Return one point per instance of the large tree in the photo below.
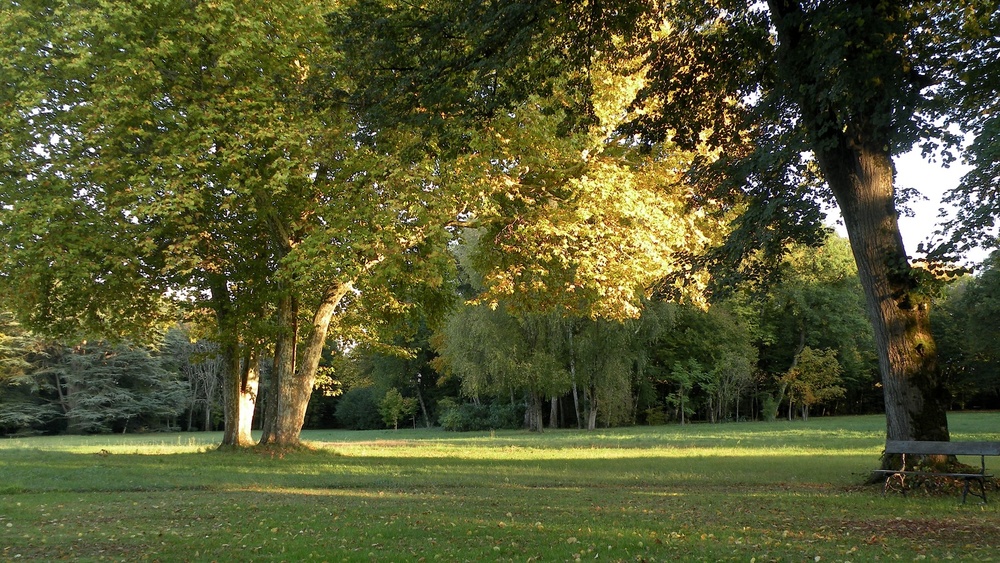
(199, 152)
(572, 213)
(838, 86)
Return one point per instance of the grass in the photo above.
(746, 491)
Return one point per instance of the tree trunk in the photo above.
(296, 376)
(915, 399)
(283, 374)
(239, 388)
(851, 135)
(591, 403)
(423, 406)
(554, 412)
(239, 397)
(572, 377)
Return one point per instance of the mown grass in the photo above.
(747, 491)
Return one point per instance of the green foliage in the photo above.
(471, 417)
(965, 319)
(394, 407)
(102, 388)
(815, 379)
(572, 215)
(814, 300)
(200, 363)
(684, 376)
(967, 99)
(358, 409)
(494, 352)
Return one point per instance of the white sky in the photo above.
(933, 181)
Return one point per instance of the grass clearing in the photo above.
(743, 491)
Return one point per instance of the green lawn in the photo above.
(747, 491)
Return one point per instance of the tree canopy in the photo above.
(280, 172)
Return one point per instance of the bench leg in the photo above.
(982, 489)
(902, 483)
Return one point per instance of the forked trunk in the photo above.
(296, 375)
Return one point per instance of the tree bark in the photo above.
(851, 132)
(239, 391)
(296, 376)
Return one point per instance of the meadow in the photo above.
(740, 491)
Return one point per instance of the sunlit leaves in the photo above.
(585, 221)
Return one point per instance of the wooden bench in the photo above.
(906, 448)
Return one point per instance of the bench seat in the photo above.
(906, 448)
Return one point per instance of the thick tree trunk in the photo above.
(554, 412)
(915, 399)
(296, 376)
(283, 374)
(239, 390)
(851, 133)
(239, 397)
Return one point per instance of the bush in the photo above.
(358, 410)
(468, 417)
(656, 416)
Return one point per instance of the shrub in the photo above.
(358, 410)
(468, 417)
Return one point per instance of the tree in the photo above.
(684, 376)
(833, 87)
(571, 214)
(967, 101)
(699, 358)
(814, 379)
(966, 320)
(495, 353)
(20, 407)
(100, 388)
(202, 365)
(812, 299)
(394, 406)
(202, 152)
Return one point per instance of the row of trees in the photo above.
(802, 344)
(289, 174)
(97, 386)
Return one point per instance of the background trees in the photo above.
(966, 320)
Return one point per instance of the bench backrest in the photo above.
(941, 448)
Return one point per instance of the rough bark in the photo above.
(239, 392)
(851, 138)
(296, 375)
(283, 374)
